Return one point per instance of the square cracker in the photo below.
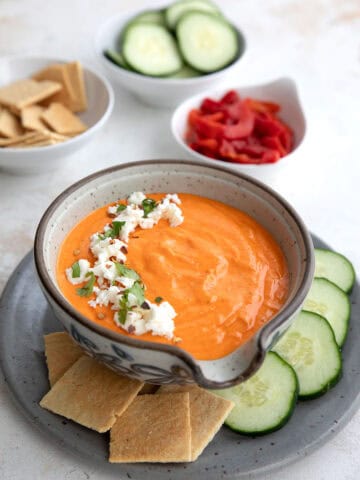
(76, 77)
(10, 126)
(62, 120)
(207, 414)
(155, 428)
(58, 73)
(23, 93)
(13, 142)
(30, 118)
(61, 353)
(91, 394)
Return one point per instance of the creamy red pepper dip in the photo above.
(221, 271)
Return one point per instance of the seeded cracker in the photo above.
(155, 428)
(60, 119)
(58, 73)
(61, 353)
(91, 394)
(76, 77)
(10, 126)
(30, 118)
(207, 414)
(26, 92)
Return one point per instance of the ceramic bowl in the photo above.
(158, 92)
(41, 159)
(282, 91)
(151, 361)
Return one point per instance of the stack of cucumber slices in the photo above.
(306, 362)
(187, 39)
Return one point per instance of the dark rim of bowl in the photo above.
(262, 335)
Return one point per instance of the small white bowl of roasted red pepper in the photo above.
(252, 127)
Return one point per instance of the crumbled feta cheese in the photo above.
(111, 287)
(107, 248)
(173, 197)
(159, 320)
(136, 198)
(84, 270)
(105, 296)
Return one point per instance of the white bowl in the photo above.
(282, 91)
(158, 92)
(41, 159)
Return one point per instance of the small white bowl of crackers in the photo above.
(48, 109)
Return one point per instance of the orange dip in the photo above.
(222, 272)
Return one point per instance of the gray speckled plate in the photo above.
(25, 317)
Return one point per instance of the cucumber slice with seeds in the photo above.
(334, 267)
(151, 50)
(265, 402)
(328, 300)
(309, 346)
(206, 42)
(176, 10)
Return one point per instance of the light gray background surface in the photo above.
(317, 43)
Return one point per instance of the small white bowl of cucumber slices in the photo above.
(165, 55)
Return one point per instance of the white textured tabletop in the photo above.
(317, 43)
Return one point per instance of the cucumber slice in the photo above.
(206, 42)
(328, 300)
(176, 10)
(186, 72)
(265, 402)
(150, 49)
(309, 346)
(117, 58)
(334, 267)
(151, 16)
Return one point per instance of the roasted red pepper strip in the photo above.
(275, 144)
(266, 125)
(207, 125)
(261, 106)
(230, 97)
(240, 131)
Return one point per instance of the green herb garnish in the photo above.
(124, 308)
(138, 291)
(88, 288)
(75, 270)
(124, 271)
(158, 299)
(148, 206)
(120, 208)
(114, 231)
